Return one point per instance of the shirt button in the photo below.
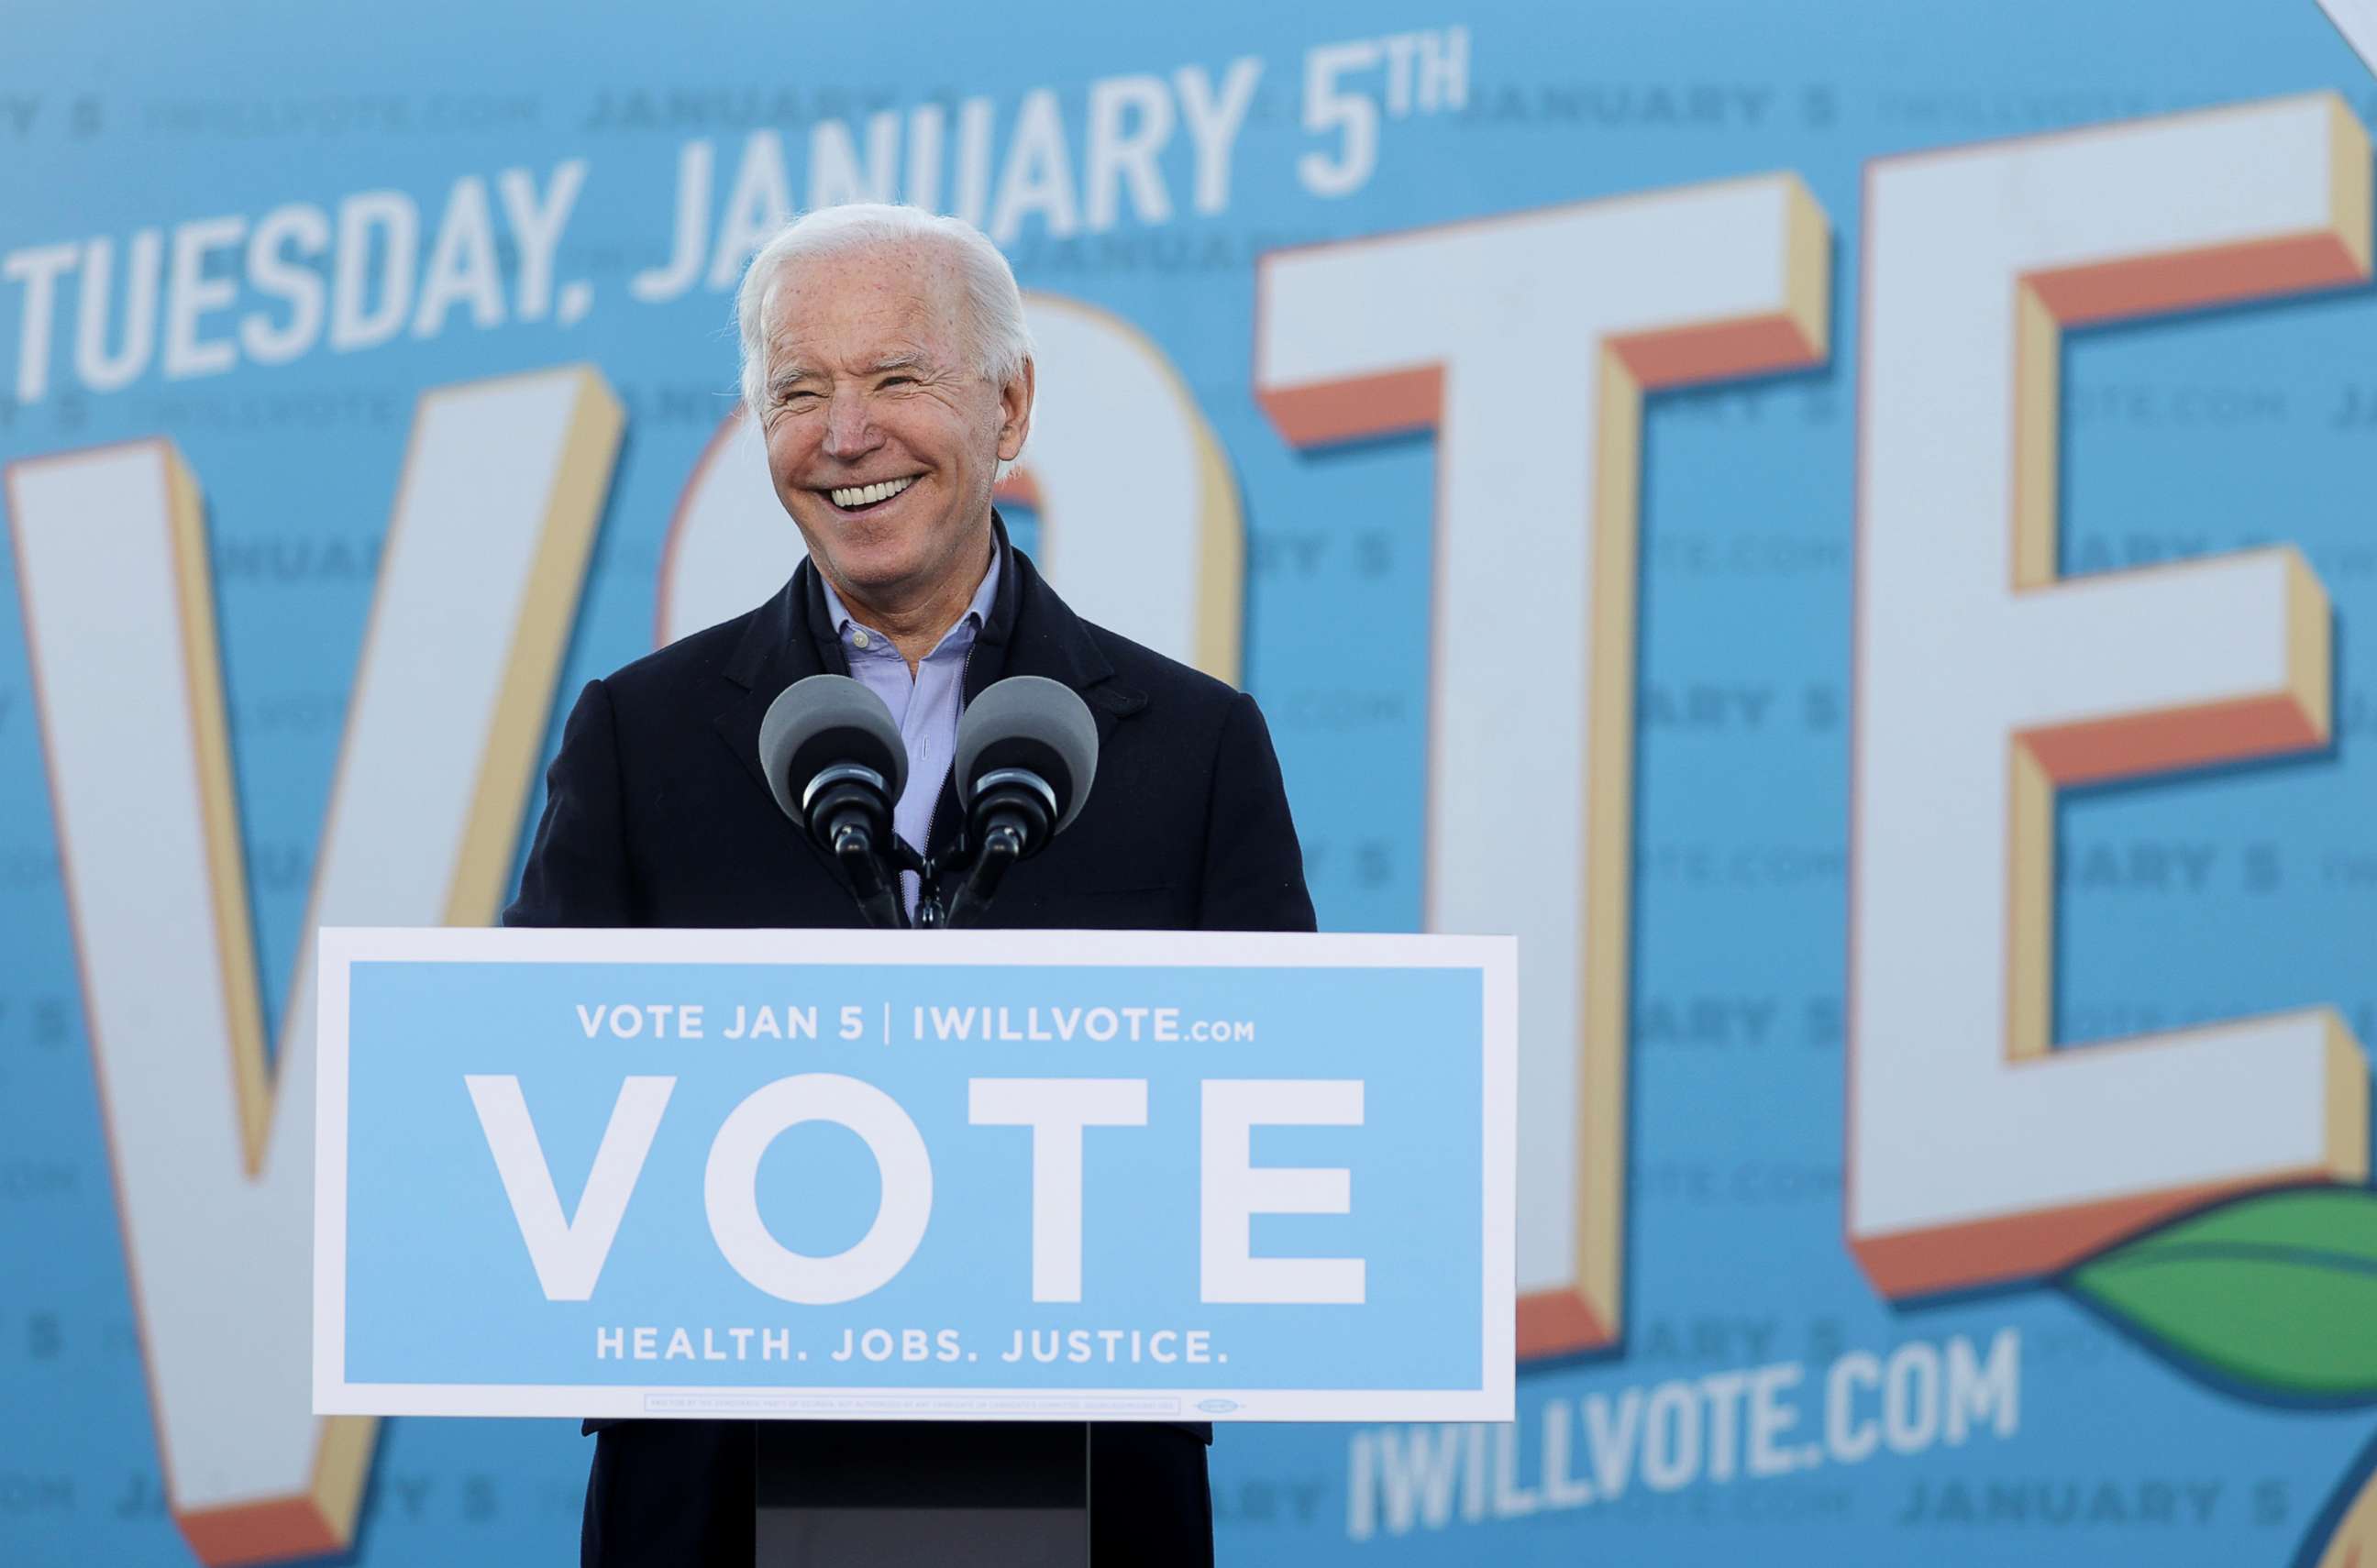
(862, 639)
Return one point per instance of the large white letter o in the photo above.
(730, 1188)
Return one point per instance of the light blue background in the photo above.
(425, 1207)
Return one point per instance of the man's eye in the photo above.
(899, 380)
(798, 395)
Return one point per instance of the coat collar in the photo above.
(1030, 631)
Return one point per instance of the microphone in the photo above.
(836, 765)
(1027, 753)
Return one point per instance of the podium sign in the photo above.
(914, 1175)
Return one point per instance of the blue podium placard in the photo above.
(907, 1174)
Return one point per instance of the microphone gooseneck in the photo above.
(1027, 753)
(836, 765)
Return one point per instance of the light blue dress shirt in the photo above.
(925, 704)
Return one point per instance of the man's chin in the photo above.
(881, 558)
(877, 575)
(856, 550)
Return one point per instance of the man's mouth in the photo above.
(865, 497)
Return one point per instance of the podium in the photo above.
(872, 1190)
(843, 1496)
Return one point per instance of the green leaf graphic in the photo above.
(2276, 1292)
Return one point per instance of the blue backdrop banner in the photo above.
(1841, 527)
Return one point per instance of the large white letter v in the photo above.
(213, 1160)
(568, 1252)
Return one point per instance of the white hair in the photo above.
(997, 338)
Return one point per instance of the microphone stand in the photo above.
(1001, 847)
(877, 893)
(878, 1491)
(876, 885)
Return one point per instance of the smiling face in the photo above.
(883, 433)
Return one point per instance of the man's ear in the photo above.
(1015, 411)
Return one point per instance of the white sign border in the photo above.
(1496, 957)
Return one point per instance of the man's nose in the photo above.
(850, 426)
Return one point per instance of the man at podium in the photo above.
(886, 359)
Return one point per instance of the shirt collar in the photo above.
(977, 610)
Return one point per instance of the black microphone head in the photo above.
(824, 721)
(1036, 725)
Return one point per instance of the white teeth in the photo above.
(868, 495)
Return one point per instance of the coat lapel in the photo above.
(1033, 632)
(777, 649)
